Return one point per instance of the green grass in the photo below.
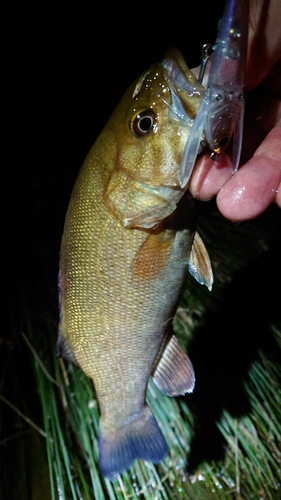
(224, 441)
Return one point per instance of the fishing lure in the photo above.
(221, 112)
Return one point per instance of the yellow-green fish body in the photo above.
(127, 243)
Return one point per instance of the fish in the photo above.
(221, 113)
(128, 242)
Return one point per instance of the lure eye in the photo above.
(142, 123)
(224, 142)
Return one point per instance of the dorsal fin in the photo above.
(174, 374)
(199, 264)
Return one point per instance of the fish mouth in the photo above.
(186, 92)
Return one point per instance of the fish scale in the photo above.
(129, 238)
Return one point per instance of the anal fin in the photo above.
(199, 264)
(174, 374)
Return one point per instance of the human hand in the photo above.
(257, 183)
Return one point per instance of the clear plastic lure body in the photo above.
(221, 112)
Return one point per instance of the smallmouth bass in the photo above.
(129, 239)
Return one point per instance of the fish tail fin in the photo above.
(140, 438)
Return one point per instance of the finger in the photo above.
(209, 176)
(257, 183)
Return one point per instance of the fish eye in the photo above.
(142, 123)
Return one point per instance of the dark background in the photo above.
(64, 72)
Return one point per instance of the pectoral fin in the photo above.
(199, 264)
(153, 255)
(174, 374)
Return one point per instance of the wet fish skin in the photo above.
(126, 247)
